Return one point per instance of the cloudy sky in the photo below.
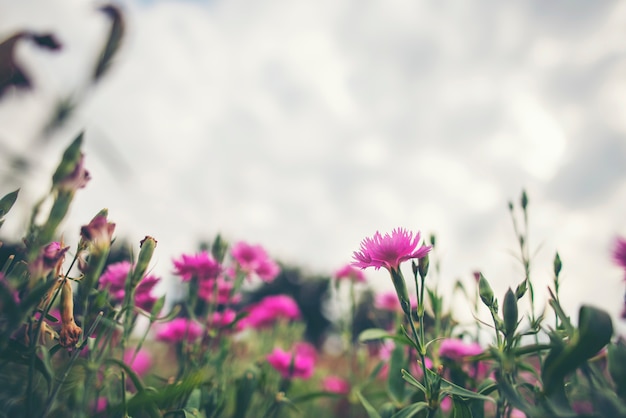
(306, 126)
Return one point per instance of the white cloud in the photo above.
(306, 126)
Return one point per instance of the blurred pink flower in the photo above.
(180, 329)
(336, 384)
(222, 319)
(50, 257)
(297, 364)
(456, 349)
(619, 252)
(446, 404)
(388, 301)
(389, 251)
(98, 232)
(200, 267)
(348, 272)
(100, 405)
(114, 280)
(77, 179)
(583, 407)
(142, 362)
(270, 309)
(222, 295)
(253, 259)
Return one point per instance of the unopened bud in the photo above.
(557, 265)
(509, 313)
(524, 200)
(423, 264)
(485, 292)
(520, 291)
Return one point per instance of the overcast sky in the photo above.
(306, 126)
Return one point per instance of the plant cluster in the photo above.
(81, 336)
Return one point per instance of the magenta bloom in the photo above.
(619, 252)
(298, 364)
(200, 267)
(142, 362)
(456, 349)
(222, 319)
(336, 384)
(269, 310)
(77, 179)
(389, 251)
(222, 295)
(180, 329)
(99, 231)
(387, 301)
(50, 257)
(348, 272)
(114, 279)
(253, 259)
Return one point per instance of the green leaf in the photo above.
(374, 334)
(452, 389)
(411, 410)
(15, 352)
(617, 366)
(246, 386)
(371, 411)
(461, 409)
(315, 395)
(595, 330)
(194, 400)
(395, 382)
(6, 203)
(413, 381)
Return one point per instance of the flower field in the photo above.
(86, 334)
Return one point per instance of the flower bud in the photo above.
(509, 313)
(524, 200)
(521, 288)
(423, 264)
(98, 232)
(69, 162)
(557, 265)
(147, 245)
(485, 292)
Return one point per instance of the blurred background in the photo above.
(307, 126)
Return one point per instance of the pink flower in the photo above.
(389, 251)
(141, 363)
(200, 267)
(298, 364)
(446, 404)
(100, 405)
(348, 272)
(269, 310)
(253, 259)
(222, 295)
(388, 301)
(180, 329)
(114, 279)
(456, 349)
(50, 258)
(99, 231)
(336, 384)
(619, 252)
(222, 319)
(77, 179)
